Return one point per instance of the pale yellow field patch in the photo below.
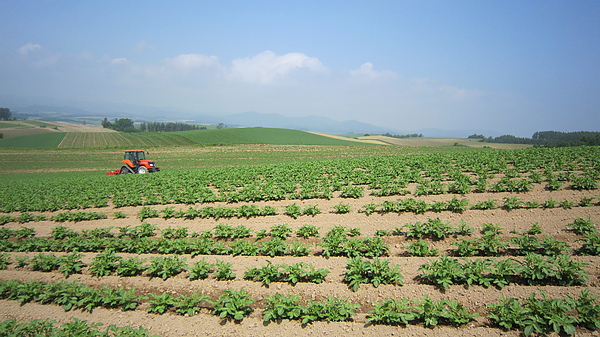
(425, 141)
(359, 140)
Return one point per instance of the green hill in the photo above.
(209, 137)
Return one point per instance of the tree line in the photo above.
(412, 135)
(127, 125)
(547, 139)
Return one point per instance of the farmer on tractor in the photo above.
(135, 162)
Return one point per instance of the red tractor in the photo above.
(135, 162)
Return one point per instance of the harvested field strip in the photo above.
(117, 139)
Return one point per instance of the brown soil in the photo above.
(552, 221)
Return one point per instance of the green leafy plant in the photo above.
(4, 261)
(376, 272)
(244, 248)
(421, 248)
(233, 304)
(342, 208)
(533, 315)
(303, 272)
(456, 205)
(62, 232)
(298, 249)
(583, 226)
(293, 210)
(350, 191)
(591, 245)
(224, 231)
(71, 264)
(511, 203)
(104, 263)
(132, 266)
(392, 311)
(432, 312)
(311, 210)
(551, 246)
(174, 233)
(278, 307)
(280, 231)
(160, 303)
(200, 270)
(190, 305)
(166, 266)
(119, 215)
(550, 203)
(266, 274)
(307, 231)
(443, 272)
(586, 201)
(45, 262)
(224, 271)
(485, 205)
(330, 309)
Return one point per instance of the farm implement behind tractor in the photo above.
(135, 162)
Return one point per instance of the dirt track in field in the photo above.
(552, 221)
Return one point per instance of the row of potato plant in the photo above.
(77, 327)
(532, 315)
(407, 205)
(338, 241)
(304, 180)
(534, 269)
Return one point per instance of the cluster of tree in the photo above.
(547, 139)
(168, 127)
(126, 125)
(121, 124)
(5, 114)
(412, 135)
(510, 139)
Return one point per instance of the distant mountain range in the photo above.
(94, 112)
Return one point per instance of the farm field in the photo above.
(306, 240)
(425, 141)
(65, 135)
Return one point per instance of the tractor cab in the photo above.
(135, 162)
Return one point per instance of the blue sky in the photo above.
(510, 67)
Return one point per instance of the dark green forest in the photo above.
(547, 138)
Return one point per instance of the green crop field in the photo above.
(260, 136)
(41, 140)
(209, 137)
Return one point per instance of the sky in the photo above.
(507, 67)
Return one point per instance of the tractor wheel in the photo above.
(125, 170)
(142, 170)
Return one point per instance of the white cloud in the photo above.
(120, 60)
(367, 72)
(187, 62)
(267, 66)
(28, 48)
(429, 86)
(143, 46)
